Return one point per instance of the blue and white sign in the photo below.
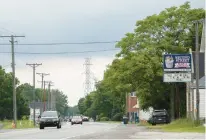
(177, 62)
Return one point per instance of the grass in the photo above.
(21, 124)
(180, 125)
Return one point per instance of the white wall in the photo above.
(202, 102)
(145, 115)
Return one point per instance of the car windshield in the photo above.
(49, 114)
(76, 117)
(159, 113)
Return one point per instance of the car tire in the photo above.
(153, 124)
(41, 127)
(81, 123)
(58, 126)
(71, 123)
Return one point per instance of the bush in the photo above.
(25, 117)
(104, 119)
(117, 117)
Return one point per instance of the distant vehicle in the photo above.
(76, 120)
(66, 119)
(85, 118)
(159, 117)
(49, 119)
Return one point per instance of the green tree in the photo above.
(61, 101)
(81, 106)
(6, 95)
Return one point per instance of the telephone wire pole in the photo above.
(34, 65)
(42, 84)
(13, 77)
(197, 52)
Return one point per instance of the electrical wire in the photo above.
(66, 43)
(7, 30)
(33, 53)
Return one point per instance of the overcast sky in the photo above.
(47, 21)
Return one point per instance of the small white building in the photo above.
(192, 87)
(202, 98)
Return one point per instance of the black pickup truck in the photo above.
(159, 117)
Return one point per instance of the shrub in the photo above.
(25, 118)
(117, 117)
(104, 119)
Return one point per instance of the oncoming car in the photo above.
(49, 119)
(76, 120)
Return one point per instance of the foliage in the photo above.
(117, 117)
(104, 119)
(61, 101)
(6, 95)
(24, 96)
(73, 111)
(81, 106)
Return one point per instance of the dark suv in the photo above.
(50, 119)
(159, 117)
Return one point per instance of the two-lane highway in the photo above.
(94, 130)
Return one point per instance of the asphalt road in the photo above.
(91, 130)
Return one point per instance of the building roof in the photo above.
(201, 83)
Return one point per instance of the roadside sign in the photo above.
(177, 77)
(177, 62)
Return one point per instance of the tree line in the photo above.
(24, 96)
(138, 66)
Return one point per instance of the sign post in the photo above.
(177, 68)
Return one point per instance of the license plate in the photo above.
(160, 119)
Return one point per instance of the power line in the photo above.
(7, 30)
(61, 52)
(67, 43)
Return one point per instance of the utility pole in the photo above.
(44, 96)
(45, 108)
(197, 72)
(34, 65)
(49, 95)
(42, 83)
(13, 77)
(197, 68)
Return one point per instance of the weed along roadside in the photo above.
(21, 124)
(180, 125)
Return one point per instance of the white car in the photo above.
(76, 120)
